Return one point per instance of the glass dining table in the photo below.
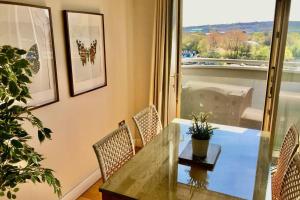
(154, 173)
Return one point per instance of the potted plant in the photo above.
(201, 132)
(19, 162)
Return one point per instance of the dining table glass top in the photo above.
(241, 171)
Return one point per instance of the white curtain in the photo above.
(162, 55)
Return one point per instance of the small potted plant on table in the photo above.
(201, 132)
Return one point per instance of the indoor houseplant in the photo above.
(19, 162)
(201, 132)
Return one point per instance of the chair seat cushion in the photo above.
(252, 118)
(253, 114)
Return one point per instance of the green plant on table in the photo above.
(201, 129)
(19, 162)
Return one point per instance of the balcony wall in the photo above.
(252, 75)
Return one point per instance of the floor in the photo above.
(93, 192)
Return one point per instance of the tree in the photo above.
(288, 54)
(190, 41)
(296, 51)
(234, 43)
(293, 43)
(258, 37)
(19, 162)
(214, 40)
(260, 52)
(202, 47)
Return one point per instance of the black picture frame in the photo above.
(54, 69)
(71, 66)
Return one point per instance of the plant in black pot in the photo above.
(201, 132)
(19, 162)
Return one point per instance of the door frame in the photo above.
(179, 73)
(280, 30)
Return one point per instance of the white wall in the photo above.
(79, 122)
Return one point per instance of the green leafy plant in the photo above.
(201, 129)
(19, 162)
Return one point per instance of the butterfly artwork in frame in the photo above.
(87, 54)
(85, 42)
(33, 57)
(30, 29)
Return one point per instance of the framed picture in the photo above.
(29, 27)
(86, 51)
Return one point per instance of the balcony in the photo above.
(234, 91)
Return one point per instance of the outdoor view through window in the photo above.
(225, 50)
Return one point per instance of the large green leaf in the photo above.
(3, 60)
(13, 88)
(41, 136)
(47, 133)
(21, 63)
(16, 143)
(23, 78)
(8, 195)
(5, 81)
(21, 52)
(10, 53)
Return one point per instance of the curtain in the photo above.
(161, 60)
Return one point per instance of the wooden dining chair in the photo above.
(114, 150)
(148, 124)
(290, 188)
(288, 149)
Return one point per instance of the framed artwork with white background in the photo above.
(29, 27)
(86, 51)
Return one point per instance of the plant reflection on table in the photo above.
(198, 179)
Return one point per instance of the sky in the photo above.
(203, 12)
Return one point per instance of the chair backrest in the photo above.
(148, 124)
(290, 189)
(114, 150)
(288, 149)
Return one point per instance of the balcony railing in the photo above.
(234, 90)
(237, 63)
